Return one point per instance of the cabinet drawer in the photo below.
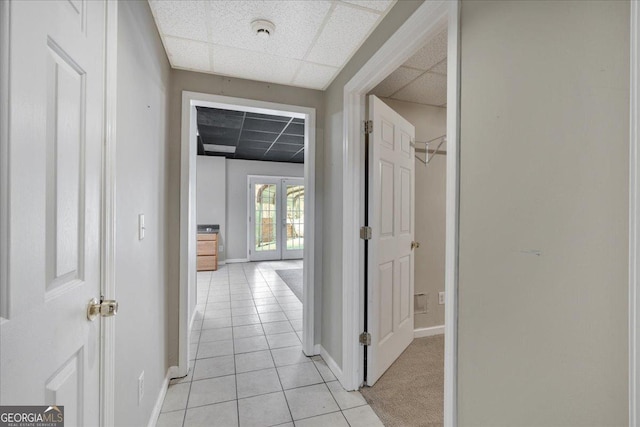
(207, 236)
(207, 247)
(206, 262)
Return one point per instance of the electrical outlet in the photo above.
(440, 298)
(140, 387)
(221, 247)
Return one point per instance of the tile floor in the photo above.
(248, 367)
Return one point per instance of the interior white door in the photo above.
(292, 231)
(390, 253)
(49, 350)
(276, 218)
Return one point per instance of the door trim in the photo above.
(188, 209)
(5, 9)
(108, 273)
(430, 18)
(634, 213)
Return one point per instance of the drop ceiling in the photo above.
(250, 136)
(313, 40)
(422, 78)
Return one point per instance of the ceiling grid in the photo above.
(311, 43)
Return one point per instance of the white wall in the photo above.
(238, 194)
(141, 187)
(211, 196)
(430, 122)
(544, 161)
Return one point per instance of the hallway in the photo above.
(248, 367)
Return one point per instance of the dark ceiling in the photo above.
(254, 136)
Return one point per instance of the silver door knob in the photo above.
(415, 245)
(106, 308)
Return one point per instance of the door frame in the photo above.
(251, 210)
(634, 213)
(188, 224)
(108, 264)
(108, 198)
(426, 22)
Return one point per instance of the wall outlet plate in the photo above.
(440, 298)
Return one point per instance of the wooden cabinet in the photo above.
(207, 251)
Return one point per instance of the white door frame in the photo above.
(188, 208)
(426, 22)
(634, 214)
(107, 329)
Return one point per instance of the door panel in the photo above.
(390, 257)
(293, 207)
(263, 221)
(49, 351)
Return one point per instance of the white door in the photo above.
(390, 253)
(49, 350)
(264, 219)
(276, 218)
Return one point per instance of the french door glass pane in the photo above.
(295, 217)
(265, 217)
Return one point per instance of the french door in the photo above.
(276, 218)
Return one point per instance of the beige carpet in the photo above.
(411, 392)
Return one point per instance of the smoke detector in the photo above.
(263, 28)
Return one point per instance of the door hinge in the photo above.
(365, 338)
(368, 126)
(365, 233)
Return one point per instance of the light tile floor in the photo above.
(248, 367)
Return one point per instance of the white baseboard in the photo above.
(428, 332)
(236, 260)
(153, 419)
(331, 364)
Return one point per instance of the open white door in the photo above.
(49, 350)
(390, 250)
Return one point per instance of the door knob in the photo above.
(415, 245)
(106, 308)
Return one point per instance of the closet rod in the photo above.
(428, 151)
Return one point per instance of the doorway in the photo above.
(428, 20)
(276, 218)
(191, 101)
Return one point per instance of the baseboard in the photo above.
(236, 260)
(331, 363)
(428, 332)
(153, 419)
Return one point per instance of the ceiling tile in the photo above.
(379, 5)
(186, 19)
(343, 34)
(395, 81)
(429, 89)
(431, 54)
(264, 125)
(295, 129)
(296, 22)
(187, 54)
(440, 68)
(253, 65)
(314, 76)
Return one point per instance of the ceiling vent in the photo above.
(263, 28)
